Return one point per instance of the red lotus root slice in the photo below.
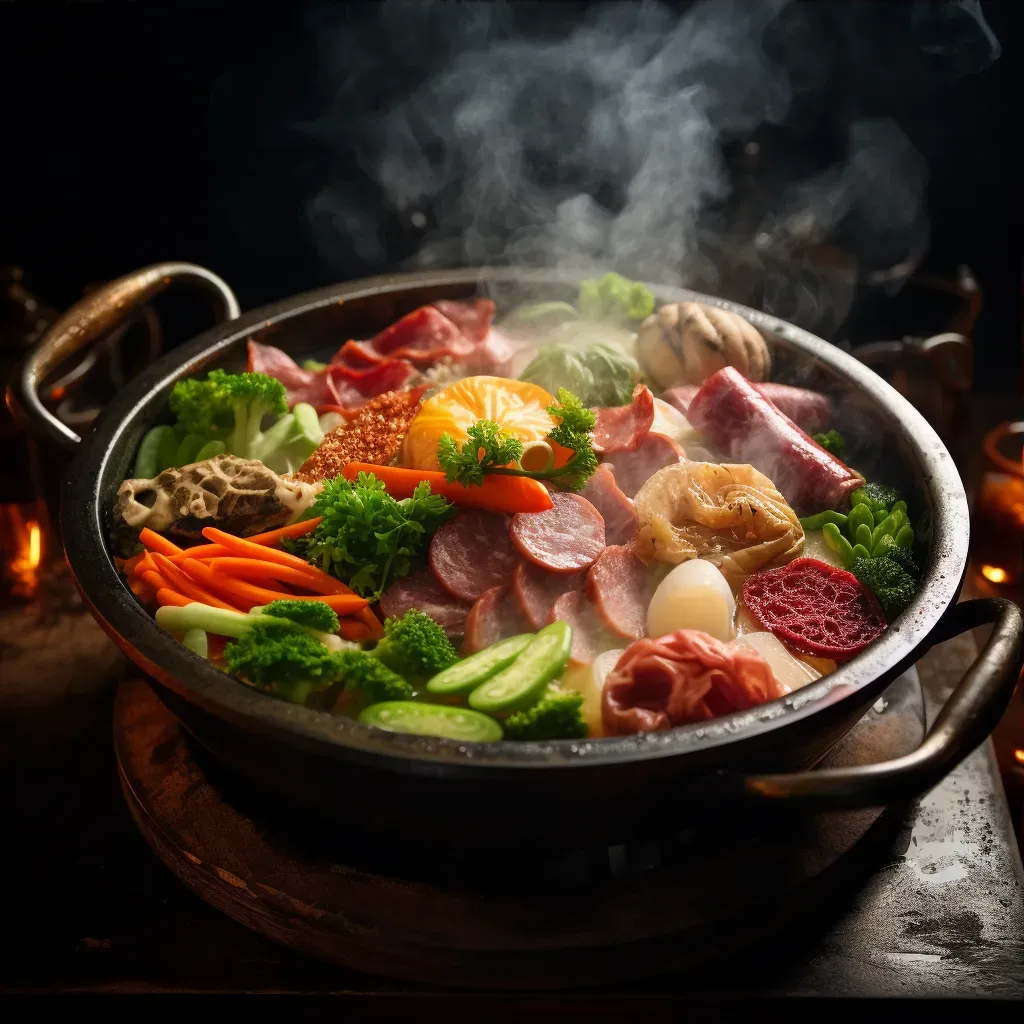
(815, 608)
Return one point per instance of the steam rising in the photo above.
(601, 142)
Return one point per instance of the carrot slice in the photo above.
(496, 493)
(127, 565)
(343, 604)
(167, 596)
(184, 585)
(251, 568)
(155, 542)
(240, 546)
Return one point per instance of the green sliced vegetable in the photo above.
(863, 536)
(147, 458)
(197, 642)
(544, 313)
(816, 522)
(860, 515)
(905, 537)
(314, 365)
(168, 449)
(210, 450)
(838, 543)
(519, 685)
(440, 720)
(469, 673)
(860, 551)
(885, 544)
(190, 446)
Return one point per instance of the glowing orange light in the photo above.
(1018, 756)
(24, 566)
(993, 573)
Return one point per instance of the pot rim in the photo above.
(83, 526)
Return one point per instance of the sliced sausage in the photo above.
(620, 519)
(566, 538)
(809, 410)
(623, 427)
(421, 590)
(472, 553)
(633, 469)
(536, 590)
(495, 616)
(619, 589)
(588, 639)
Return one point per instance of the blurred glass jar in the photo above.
(998, 531)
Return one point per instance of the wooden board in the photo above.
(585, 917)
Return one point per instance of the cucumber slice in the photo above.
(522, 683)
(431, 720)
(469, 673)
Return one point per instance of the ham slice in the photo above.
(745, 425)
(622, 428)
(359, 355)
(633, 469)
(473, 317)
(618, 511)
(809, 410)
(302, 385)
(682, 677)
(423, 337)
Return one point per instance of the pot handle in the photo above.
(967, 717)
(89, 320)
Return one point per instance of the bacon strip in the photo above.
(743, 423)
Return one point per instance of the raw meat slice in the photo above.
(388, 375)
(749, 428)
(619, 589)
(494, 616)
(588, 640)
(566, 538)
(423, 337)
(536, 589)
(617, 510)
(359, 355)
(809, 410)
(473, 553)
(624, 427)
(421, 590)
(301, 385)
(633, 469)
(473, 316)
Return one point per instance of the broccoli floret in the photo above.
(369, 680)
(415, 646)
(905, 560)
(892, 585)
(556, 716)
(232, 406)
(314, 614)
(877, 497)
(284, 660)
(831, 440)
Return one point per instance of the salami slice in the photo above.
(622, 428)
(536, 590)
(619, 589)
(588, 640)
(633, 469)
(421, 591)
(494, 616)
(472, 553)
(566, 538)
(620, 518)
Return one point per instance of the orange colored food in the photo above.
(518, 407)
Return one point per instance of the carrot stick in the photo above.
(155, 542)
(343, 604)
(127, 566)
(145, 564)
(269, 539)
(250, 568)
(496, 493)
(351, 629)
(246, 548)
(154, 580)
(167, 596)
(184, 585)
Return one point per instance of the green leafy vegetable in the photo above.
(615, 298)
(489, 450)
(415, 646)
(367, 538)
(284, 660)
(368, 680)
(832, 441)
(598, 374)
(316, 615)
(892, 584)
(556, 716)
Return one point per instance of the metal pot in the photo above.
(420, 789)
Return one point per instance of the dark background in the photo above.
(134, 133)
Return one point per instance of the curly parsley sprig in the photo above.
(489, 450)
